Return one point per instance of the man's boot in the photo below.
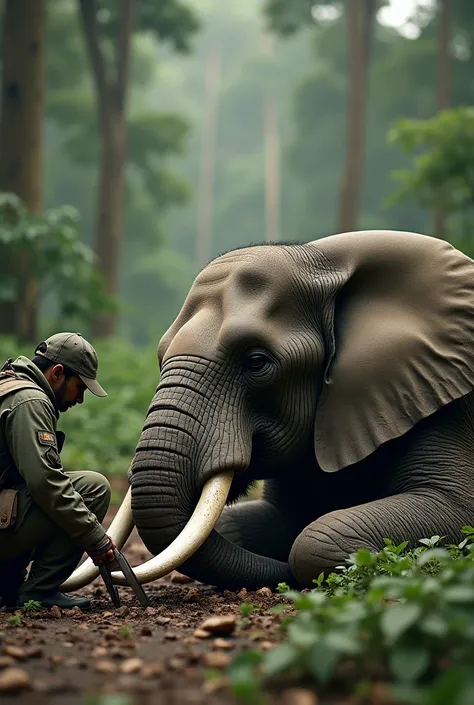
(49, 600)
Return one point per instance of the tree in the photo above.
(359, 23)
(111, 88)
(65, 273)
(441, 174)
(108, 27)
(287, 18)
(443, 80)
(23, 53)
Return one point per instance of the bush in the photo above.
(102, 433)
(399, 622)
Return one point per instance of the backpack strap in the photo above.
(10, 384)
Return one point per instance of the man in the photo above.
(58, 513)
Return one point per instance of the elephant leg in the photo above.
(410, 516)
(259, 527)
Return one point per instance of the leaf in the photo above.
(303, 634)
(409, 663)
(342, 642)
(398, 618)
(433, 554)
(322, 661)
(459, 593)
(434, 625)
(277, 609)
(364, 557)
(279, 660)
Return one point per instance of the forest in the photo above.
(153, 139)
(138, 141)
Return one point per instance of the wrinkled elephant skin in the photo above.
(341, 373)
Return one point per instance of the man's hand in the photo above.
(104, 553)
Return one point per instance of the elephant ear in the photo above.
(399, 319)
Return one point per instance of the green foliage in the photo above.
(15, 620)
(442, 151)
(63, 265)
(172, 21)
(32, 606)
(126, 632)
(102, 434)
(286, 18)
(154, 137)
(403, 617)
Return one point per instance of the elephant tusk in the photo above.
(119, 530)
(204, 518)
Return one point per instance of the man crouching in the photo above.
(47, 515)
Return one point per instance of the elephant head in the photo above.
(330, 348)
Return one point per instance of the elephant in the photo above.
(341, 373)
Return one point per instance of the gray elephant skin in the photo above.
(340, 372)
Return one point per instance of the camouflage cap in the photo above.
(73, 351)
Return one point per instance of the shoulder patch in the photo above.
(46, 438)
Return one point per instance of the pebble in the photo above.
(131, 665)
(264, 592)
(216, 659)
(14, 679)
(222, 644)
(192, 595)
(99, 652)
(179, 578)
(105, 666)
(299, 696)
(171, 635)
(220, 625)
(16, 652)
(152, 670)
(163, 620)
(6, 661)
(146, 630)
(201, 634)
(55, 612)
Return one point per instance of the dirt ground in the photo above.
(155, 655)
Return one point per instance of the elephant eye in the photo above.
(256, 362)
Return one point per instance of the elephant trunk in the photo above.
(167, 469)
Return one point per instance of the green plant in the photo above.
(440, 176)
(31, 607)
(125, 632)
(15, 620)
(63, 265)
(403, 616)
(246, 609)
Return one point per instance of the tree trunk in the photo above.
(205, 216)
(443, 87)
(23, 80)
(108, 230)
(360, 16)
(271, 138)
(111, 104)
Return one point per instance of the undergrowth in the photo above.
(400, 622)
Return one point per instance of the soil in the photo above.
(155, 655)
